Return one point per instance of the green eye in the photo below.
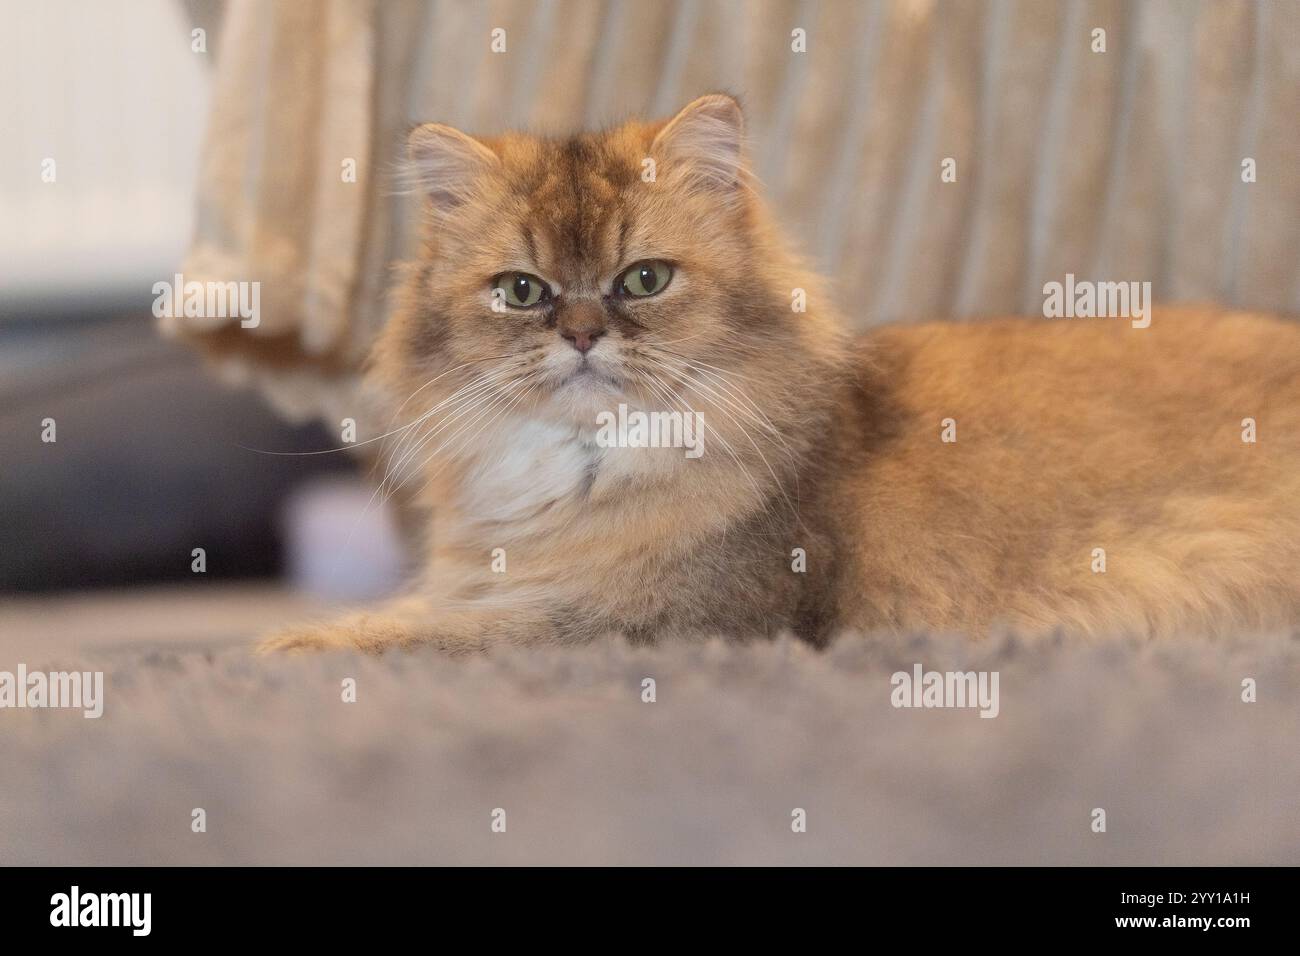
(645, 278)
(519, 289)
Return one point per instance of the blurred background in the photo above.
(255, 141)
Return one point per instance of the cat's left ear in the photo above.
(704, 142)
(447, 165)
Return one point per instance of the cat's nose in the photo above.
(583, 341)
(581, 325)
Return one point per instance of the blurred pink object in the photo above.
(341, 541)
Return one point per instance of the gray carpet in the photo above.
(739, 736)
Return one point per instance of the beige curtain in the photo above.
(1123, 164)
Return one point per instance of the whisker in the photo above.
(743, 430)
(674, 399)
(358, 444)
(514, 401)
(466, 393)
(484, 395)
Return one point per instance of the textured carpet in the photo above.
(739, 736)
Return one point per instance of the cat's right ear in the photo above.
(446, 165)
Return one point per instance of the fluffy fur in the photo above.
(825, 498)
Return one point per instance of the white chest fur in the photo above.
(528, 466)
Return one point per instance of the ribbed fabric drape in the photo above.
(1123, 164)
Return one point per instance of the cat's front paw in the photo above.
(358, 634)
(406, 626)
(303, 638)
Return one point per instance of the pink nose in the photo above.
(581, 323)
(584, 339)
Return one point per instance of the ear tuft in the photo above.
(445, 164)
(705, 139)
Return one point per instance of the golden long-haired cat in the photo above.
(579, 304)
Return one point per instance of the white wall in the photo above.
(111, 91)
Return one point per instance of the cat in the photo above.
(1023, 475)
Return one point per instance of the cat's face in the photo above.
(608, 267)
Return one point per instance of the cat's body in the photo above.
(1075, 435)
(1098, 481)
